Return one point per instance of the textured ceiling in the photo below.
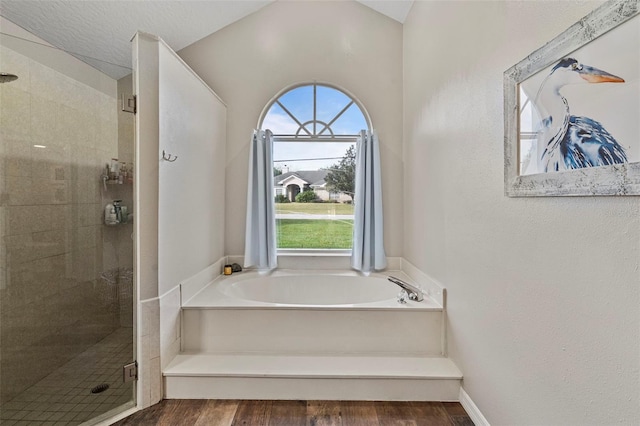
(396, 9)
(99, 32)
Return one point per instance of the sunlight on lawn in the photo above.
(315, 234)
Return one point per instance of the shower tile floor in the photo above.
(64, 397)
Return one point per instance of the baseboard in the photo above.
(108, 418)
(472, 409)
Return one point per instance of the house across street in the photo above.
(291, 184)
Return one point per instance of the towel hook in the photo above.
(168, 157)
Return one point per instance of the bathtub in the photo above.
(310, 312)
(297, 289)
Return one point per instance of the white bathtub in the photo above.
(312, 289)
(309, 312)
(306, 289)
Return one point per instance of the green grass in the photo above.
(314, 234)
(314, 208)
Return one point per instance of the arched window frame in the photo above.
(319, 133)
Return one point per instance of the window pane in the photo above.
(314, 234)
(299, 102)
(312, 215)
(329, 103)
(350, 123)
(279, 122)
(308, 155)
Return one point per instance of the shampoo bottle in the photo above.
(110, 217)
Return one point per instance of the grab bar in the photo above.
(414, 292)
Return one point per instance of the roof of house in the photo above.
(310, 177)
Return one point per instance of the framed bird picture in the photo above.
(572, 110)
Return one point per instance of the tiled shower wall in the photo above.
(53, 304)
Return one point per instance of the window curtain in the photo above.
(260, 237)
(368, 243)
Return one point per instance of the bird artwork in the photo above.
(567, 141)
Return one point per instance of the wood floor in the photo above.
(303, 413)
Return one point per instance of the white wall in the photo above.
(344, 43)
(179, 201)
(180, 217)
(191, 214)
(145, 86)
(543, 292)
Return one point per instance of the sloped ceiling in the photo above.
(395, 9)
(98, 32)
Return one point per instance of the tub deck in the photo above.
(211, 296)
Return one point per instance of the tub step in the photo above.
(212, 376)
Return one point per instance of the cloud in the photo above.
(279, 124)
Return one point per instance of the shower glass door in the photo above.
(66, 248)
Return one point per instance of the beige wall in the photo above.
(53, 303)
(543, 292)
(191, 218)
(181, 228)
(342, 43)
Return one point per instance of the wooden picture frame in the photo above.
(549, 151)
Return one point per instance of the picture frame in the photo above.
(549, 151)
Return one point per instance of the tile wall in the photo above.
(53, 246)
(149, 374)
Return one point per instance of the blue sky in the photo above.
(299, 102)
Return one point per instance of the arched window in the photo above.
(315, 128)
(314, 112)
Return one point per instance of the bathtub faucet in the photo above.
(414, 292)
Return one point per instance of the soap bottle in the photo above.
(115, 170)
(110, 217)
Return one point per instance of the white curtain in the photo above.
(260, 237)
(368, 242)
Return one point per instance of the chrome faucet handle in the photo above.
(403, 296)
(414, 293)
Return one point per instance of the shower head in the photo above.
(7, 78)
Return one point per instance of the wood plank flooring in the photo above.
(203, 412)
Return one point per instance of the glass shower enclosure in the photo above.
(66, 247)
